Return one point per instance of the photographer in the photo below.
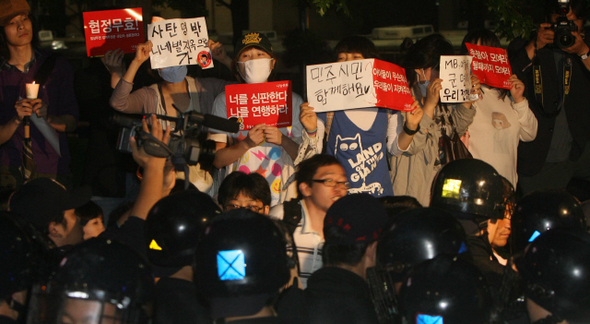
(554, 67)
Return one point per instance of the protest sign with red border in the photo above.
(111, 29)
(358, 84)
(490, 65)
(269, 103)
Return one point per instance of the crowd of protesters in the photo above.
(287, 224)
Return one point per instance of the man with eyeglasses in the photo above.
(240, 190)
(321, 180)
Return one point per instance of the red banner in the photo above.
(391, 86)
(111, 29)
(490, 65)
(257, 103)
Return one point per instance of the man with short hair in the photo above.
(49, 206)
(339, 293)
(321, 181)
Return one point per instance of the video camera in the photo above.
(187, 145)
(563, 27)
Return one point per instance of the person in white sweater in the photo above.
(502, 119)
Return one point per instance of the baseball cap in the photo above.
(11, 8)
(253, 39)
(360, 217)
(40, 200)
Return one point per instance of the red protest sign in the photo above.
(111, 29)
(490, 65)
(391, 86)
(257, 103)
(358, 84)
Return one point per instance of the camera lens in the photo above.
(565, 40)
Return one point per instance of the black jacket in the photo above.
(532, 155)
(336, 295)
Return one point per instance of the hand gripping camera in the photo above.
(187, 145)
(563, 27)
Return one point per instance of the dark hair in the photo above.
(487, 38)
(252, 185)
(426, 54)
(357, 44)
(338, 254)
(88, 212)
(394, 205)
(307, 169)
(4, 52)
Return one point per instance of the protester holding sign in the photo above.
(414, 165)
(52, 111)
(356, 137)
(264, 149)
(500, 122)
(174, 89)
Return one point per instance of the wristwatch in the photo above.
(584, 56)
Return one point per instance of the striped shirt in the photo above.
(307, 241)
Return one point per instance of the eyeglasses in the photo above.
(253, 208)
(332, 183)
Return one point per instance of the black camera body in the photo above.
(187, 145)
(563, 27)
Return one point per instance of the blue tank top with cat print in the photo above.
(363, 154)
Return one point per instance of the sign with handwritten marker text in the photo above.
(180, 42)
(107, 30)
(358, 84)
(257, 103)
(455, 71)
(491, 65)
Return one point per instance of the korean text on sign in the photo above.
(180, 42)
(455, 71)
(257, 103)
(357, 84)
(111, 29)
(491, 65)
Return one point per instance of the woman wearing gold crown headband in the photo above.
(265, 149)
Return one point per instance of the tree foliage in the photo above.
(515, 18)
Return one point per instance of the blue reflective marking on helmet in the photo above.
(231, 265)
(428, 319)
(463, 248)
(534, 236)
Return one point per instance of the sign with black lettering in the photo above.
(455, 71)
(180, 42)
(358, 84)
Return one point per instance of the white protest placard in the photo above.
(180, 42)
(455, 71)
(357, 84)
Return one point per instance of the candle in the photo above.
(32, 90)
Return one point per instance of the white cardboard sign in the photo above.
(180, 42)
(455, 71)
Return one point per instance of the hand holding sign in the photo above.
(517, 89)
(414, 116)
(142, 53)
(308, 118)
(255, 135)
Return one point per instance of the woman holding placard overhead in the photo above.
(264, 149)
(174, 90)
(414, 164)
(503, 118)
(356, 137)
